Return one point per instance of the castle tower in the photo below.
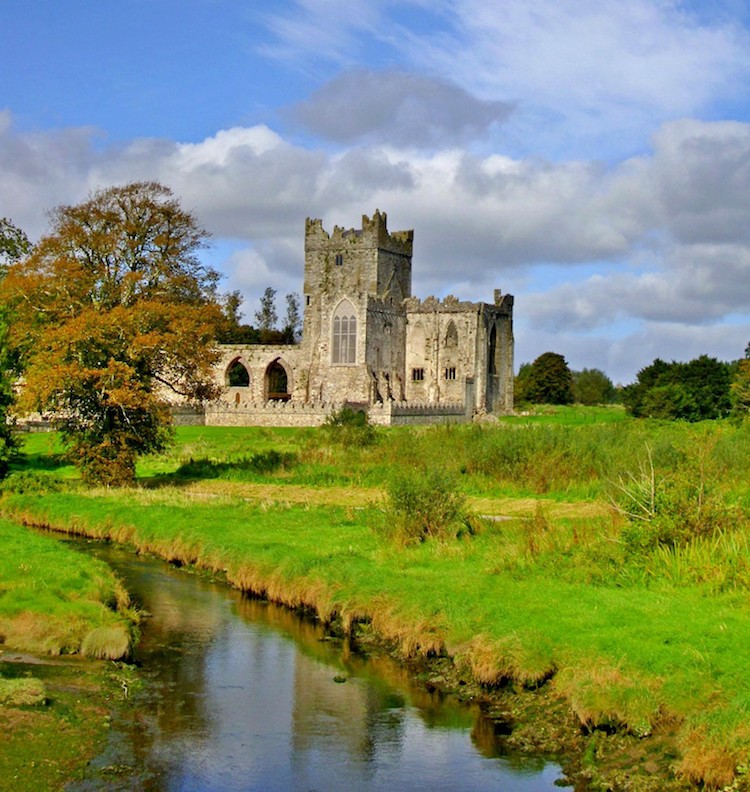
(354, 320)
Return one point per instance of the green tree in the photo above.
(694, 391)
(14, 244)
(233, 332)
(547, 380)
(292, 320)
(266, 315)
(592, 386)
(740, 388)
(113, 314)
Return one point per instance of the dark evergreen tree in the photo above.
(548, 380)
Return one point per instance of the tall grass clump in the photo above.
(425, 504)
(674, 506)
(605, 696)
(26, 692)
(348, 427)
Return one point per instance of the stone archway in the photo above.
(237, 375)
(276, 384)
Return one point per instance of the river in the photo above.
(244, 695)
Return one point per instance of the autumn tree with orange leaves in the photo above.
(111, 313)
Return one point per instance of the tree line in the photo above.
(266, 329)
(698, 390)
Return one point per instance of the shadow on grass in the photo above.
(41, 462)
(246, 468)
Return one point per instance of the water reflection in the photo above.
(244, 695)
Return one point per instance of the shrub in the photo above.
(425, 504)
(675, 508)
(348, 427)
(30, 482)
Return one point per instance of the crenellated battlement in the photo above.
(374, 234)
(451, 304)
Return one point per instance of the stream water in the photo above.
(244, 695)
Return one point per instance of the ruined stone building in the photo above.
(368, 343)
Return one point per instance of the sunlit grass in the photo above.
(552, 590)
(52, 598)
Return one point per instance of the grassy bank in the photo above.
(55, 601)
(59, 607)
(640, 625)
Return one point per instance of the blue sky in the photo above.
(590, 157)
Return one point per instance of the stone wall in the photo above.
(227, 413)
(449, 340)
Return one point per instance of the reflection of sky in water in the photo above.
(240, 705)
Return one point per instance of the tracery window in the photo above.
(344, 346)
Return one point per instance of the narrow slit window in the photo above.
(339, 259)
(450, 373)
(417, 374)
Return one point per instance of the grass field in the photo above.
(639, 622)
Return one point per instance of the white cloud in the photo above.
(586, 76)
(664, 234)
(647, 54)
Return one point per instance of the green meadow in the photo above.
(600, 559)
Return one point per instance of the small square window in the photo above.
(450, 373)
(339, 259)
(417, 374)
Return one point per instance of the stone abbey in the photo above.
(368, 343)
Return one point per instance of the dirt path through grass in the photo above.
(362, 497)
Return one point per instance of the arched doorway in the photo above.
(237, 376)
(277, 382)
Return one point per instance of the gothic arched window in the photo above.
(237, 376)
(344, 347)
(451, 335)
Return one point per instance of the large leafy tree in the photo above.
(548, 380)
(593, 386)
(14, 244)
(113, 314)
(694, 391)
